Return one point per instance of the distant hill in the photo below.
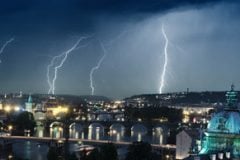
(182, 98)
(74, 98)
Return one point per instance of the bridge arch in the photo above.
(95, 131)
(76, 126)
(53, 124)
(138, 132)
(56, 129)
(117, 126)
(139, 128)
(117, 131)
(158, 129)
(76, 130)
(158, 135)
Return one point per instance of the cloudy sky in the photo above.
(203, 50)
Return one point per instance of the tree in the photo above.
(150, 113)
(24, 120)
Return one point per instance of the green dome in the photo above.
(225, 122)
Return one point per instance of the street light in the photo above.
(16, 108)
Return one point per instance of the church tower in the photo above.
(29, 104)
(223, 132)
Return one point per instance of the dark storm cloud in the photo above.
(100, 6)
(138, 6)
(82, 15)
(14, 6)
(44, 28)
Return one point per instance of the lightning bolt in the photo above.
(5, 45)
(95, 68)
(103, 46)
(162, 82)
(48, 72)
(62, 58)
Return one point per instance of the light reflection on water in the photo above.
(30, 150)
(37, 151)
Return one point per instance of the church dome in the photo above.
(225, 122)
(223, 131)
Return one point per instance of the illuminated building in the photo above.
(55, 109)
(58, 110)
(39, 113)
(186, 140)
(223, 132)
(195, 113)
(222, 136)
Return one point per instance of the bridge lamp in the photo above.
(167, 156)
(10, 127)
(10, 156)
(114, 131)
(60, 141)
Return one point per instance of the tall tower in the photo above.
(231, 97)
(29, 104)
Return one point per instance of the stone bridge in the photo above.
(73, 128)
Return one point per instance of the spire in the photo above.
(30, 99)
(231, 98)
(232, 87)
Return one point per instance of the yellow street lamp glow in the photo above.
(7, 108)
(59, 109)
(10, 127)
(117, 102)
(186, 112)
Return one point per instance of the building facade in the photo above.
(222, 136)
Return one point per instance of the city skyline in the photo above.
(203, 46)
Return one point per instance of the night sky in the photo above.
(204, 45)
